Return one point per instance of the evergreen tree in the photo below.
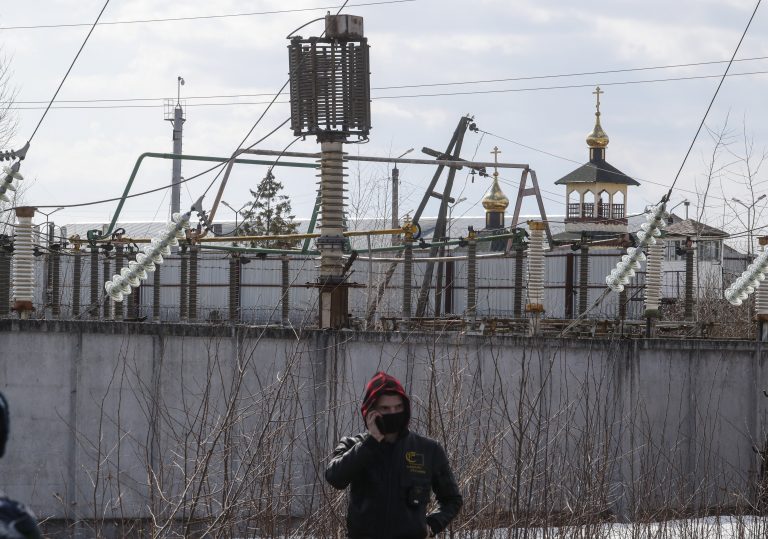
(269, 214)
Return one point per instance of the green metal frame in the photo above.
(95, 235)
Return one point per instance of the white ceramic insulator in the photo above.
(536, 267)
(331, 241)
(131, 276)
(738, 291)
(23, 261)
(653, 276)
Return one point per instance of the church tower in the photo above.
(596, 192)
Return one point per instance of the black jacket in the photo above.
(390, 486)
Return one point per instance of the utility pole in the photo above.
(175, 115)
(396, 197)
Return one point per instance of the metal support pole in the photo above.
(106, 276)
(184, 284)
(55, 255)
(178, 133)
(194, 251)
(407, 276)
(118, 307)
(5, 282)
(285, 287)
(94, 284)
(234, 288)
(156, 294)
(583, 279)
(77, 270)
(333, 292)
(689, 278)
(472, 277)
(395, 203)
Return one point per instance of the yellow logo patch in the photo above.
(414, 462)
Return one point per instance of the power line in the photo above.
(199, 17)
(712, 101)
(93, 26)
(408, 96)
(564, 75)
(421, 85)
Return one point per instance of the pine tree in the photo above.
(269, 215)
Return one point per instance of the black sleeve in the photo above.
(349, 458)
(449, 499)
(15, 517)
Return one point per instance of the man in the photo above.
(16, 521)
(391, 471)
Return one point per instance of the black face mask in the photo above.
(392, 423)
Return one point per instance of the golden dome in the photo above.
(597, 138)
(495, 199)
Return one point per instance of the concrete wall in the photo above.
(117, 420)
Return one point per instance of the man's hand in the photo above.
(373, 429)
(429, 531)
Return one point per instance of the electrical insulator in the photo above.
(11, 173)
(131, 277)
(630, 262)
(535, 267)
(23, 261)
(749, 281)
(653, 276)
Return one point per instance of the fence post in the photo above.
(106, 276)
(156, 293)
(117, 306)
(286, 288)
(689, 279)
(583, 279)
(77, 269)
(5, 281)
(472, 277)
(55, 254)
(183, 283)
(94, 284)
(234, 287)
(194, 251)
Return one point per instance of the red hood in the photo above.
(380, 384)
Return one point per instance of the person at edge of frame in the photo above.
(16, 521)
(391, 471)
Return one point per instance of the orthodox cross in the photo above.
(496, 153)
(597, 92)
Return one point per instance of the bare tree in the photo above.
(8, 121)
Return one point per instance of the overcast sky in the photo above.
(82, 154)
